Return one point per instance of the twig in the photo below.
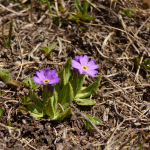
(139, 65)
(60, 45)
(106, 39)
(21, 53)
(27, 144)
(118, 87)
(9, 9)
(31, 53)
(111, 92)
(56, 6)
(10, 130)
(110, 139)
(116, 109)
(141, 27)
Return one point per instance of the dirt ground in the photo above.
(119, 43)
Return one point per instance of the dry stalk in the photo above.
(117, 110)
(56, 7)
(10, 10)
(93, 5)
(106, 39)
(112, 136)
(137, 73)
(21, 53)
(10, 130)
(118, 87)
(27, 144)
(141, 27)
(60, 45)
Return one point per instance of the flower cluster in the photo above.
(80, 63)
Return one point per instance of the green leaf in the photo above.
(85, 102)
(9, 123)
(56, 19)
(86, 6)
(1, 112)
(61, 9)
(87, 92)
(48, 91)
(127, 13)
(146, 65)
(86, 17)
(4, 38)
(146, 62)
(148, 26)
(47, 49)
(5, 76)
(49, 8)
(42, 1)
(23, 110)
(10, 33)
(64, 75)
(37, 107)
(67, 68)
(51, 47)
(30, 82)
(25, 99)
(61, 83)
(78, 7)
(93, 120)
(49, 107)
(25, 82)
(87, 125)
(136, 62)
(77, 82)
(148, 68)
(37, 116)
(55, 101)
(14, 83)
(73, 17)
(62, 115)
(65, 97)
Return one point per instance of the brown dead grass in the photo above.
(123, 98)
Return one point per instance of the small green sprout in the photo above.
(148, 26)
(127, 13)
(1, 112)
(55, 19)
(28, 82)
(93, 120)
(82, 12)
(9, 122)
(47, 49)
(146, 65)
(42, 1)
(5, 76)
(8, 44)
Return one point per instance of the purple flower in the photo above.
(84, 67)
(46, 77)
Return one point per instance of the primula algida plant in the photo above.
(59, 90)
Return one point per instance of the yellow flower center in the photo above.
(46, 81)
(84, 67)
